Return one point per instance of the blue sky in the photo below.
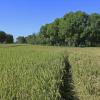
(23, 17)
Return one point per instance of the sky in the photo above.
(24, 17)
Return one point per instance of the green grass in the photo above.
(86, 74)
(30, 72)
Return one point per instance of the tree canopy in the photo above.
(73, 29)
(20, 40)
(6, 38)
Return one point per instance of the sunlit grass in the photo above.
(30, 72)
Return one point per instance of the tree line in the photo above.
(73, 29)
(6, 38)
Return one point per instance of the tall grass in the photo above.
(85, 71)
(44, 73)
(30, 73)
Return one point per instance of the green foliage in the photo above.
(5, 38)
(74, 29)
(9, 38)
(67, 30)
(21, 40)
(2, 36)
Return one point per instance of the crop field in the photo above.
(30, 72)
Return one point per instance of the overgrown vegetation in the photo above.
(85, 71)
(30, 72)
(42, 73)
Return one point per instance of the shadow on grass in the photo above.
(67, 87)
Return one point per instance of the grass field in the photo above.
(85, 64)
(30, 72)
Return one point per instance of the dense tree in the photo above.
(21, 40)
(31, 39)
(53, 32)
(73, 29)
(5, 38)
(2, 37)
(9, 38)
